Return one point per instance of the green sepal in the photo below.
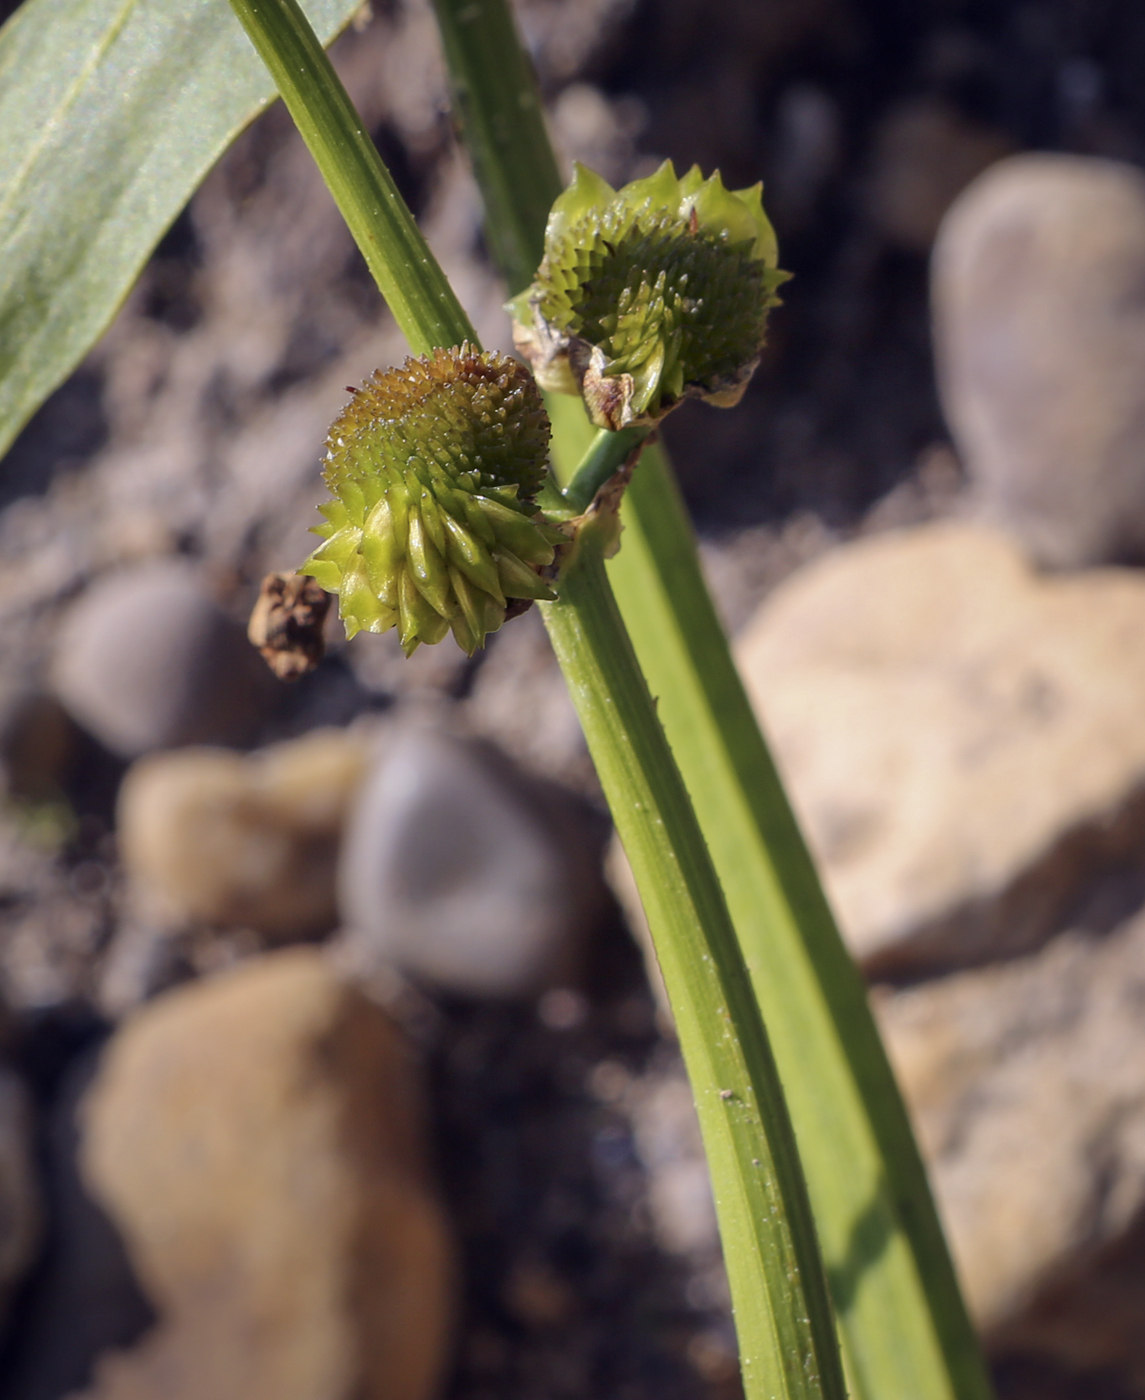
(474, 560)
(527, 536)
(426, 566)
(518, 580)
(587, 191)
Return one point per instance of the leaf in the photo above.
(111, 113)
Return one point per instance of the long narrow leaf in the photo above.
(111, 113)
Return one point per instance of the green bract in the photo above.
(432, 527)
(650, 294)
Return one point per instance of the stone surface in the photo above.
(20, 1205)
(145, 659)
(258, 1140)
(1025, 1085)
(962, 739)
(213, 837)
(464, 873)
(1040, 335)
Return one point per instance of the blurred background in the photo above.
(328, 1065)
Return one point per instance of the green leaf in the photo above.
(111, 113)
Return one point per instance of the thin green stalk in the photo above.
(784, 1318)
(498, 107)
(406, 272)
(605, 455)
(905, 1329)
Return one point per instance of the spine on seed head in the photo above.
(650, 294)
(432, 528)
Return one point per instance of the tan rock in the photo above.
(1040, 341)
(962, 737)
(214, 837)
(258, 1140)
(1025, 1085)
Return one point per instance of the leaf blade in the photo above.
(111, 114)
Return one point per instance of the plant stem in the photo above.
(606, 454)
(904, 1325)
(787, 1337)
(783, 1316)
(406, 272)
(498, 108)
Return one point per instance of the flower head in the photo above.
(650, 294)
(432, 528)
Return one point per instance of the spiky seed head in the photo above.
(433, 468)
(650, 294)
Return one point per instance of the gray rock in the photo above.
(668, 1142)
(145, 659)
(463, 873)
(520, 676)
(1039, 319)
(961, 737)
(258, 1137)
(1025, 1084)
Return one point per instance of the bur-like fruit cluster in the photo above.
(650, 294)
(432, 528)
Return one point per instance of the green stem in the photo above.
(606, 454)
(406, 272)
(783, 1311)
(905, 1329)
(498, 108)
(783, 1315)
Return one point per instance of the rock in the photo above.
(599, 132)
(258, 1138)
(20, 1206)
(671, 1150)
(520, 676)
(145, 659)
(962, 738)
(213, 837)
(925, 153)
(1024, 1081)
(464, 873)
(1040, 338)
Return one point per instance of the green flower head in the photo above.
(432, 528)
(650, 294)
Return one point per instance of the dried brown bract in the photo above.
(288, 624)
